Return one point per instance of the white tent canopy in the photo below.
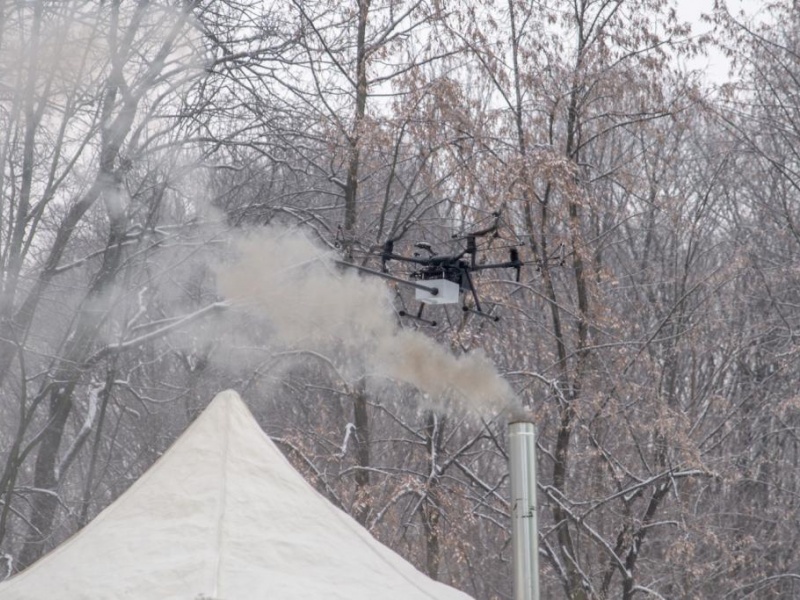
(224, 516)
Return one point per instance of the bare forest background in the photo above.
(651, 337)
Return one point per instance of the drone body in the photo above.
(443, 279)
(448, 278)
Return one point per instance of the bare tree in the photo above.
(82, 203)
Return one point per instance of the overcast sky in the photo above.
(715, 64)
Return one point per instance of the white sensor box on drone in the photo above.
(448, 292)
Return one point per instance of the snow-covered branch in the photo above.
(92, 403)
(160, 332)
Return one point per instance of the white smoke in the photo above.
(309, 301)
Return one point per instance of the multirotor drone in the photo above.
(444, 278)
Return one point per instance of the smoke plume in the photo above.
(309, 301)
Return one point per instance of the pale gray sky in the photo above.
(715, 64)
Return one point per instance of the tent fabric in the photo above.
(222, 515)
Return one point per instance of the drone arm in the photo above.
(505, 265)
(432, 261)
(434, 291)
(513, 263)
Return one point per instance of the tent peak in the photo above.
(223, 515)
(226, 400)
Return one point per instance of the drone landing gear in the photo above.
(480, 313)
(477, 310)
(418, 316)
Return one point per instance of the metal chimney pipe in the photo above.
(524, 529)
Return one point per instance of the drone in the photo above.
(444, 278)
